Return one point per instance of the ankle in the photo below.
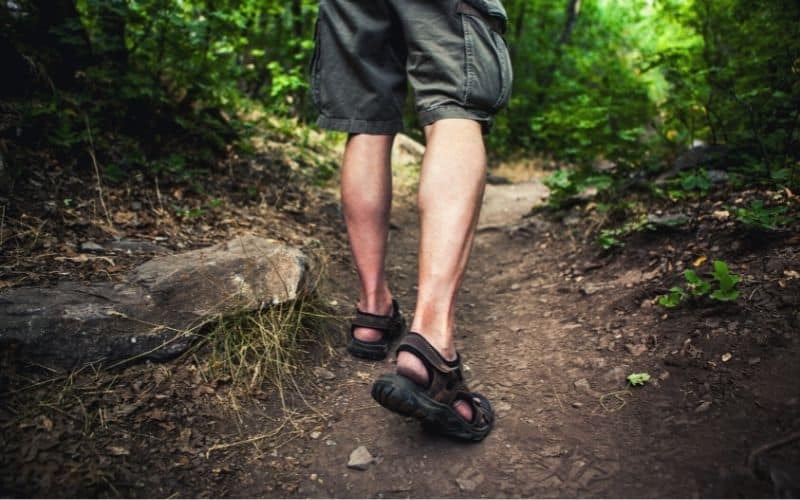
(376, 303)
(442, 341)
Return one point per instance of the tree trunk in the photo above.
(58, 40)
(573, 8)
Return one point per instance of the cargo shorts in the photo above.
(366, 52)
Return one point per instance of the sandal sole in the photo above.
(367, 352)
(400, 395)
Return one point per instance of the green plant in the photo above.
(725, 286)
(637, 379)
(726, 281)
(566, 183)
(607, 239)
(673, 298)
(697, 286)
(696, 180)
(761, 217)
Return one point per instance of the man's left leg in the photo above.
(450, 193)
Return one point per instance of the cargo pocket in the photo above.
(487, 61)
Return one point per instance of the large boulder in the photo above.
(156, 311)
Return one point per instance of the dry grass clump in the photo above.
(266, 346)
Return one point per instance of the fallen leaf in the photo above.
(118, 451)
(45, 423)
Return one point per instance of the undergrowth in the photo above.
(252, 349)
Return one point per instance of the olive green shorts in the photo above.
(367, 51)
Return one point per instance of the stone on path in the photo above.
(360, 458)
(155, 311)
(324, 373)
(505, 205)
(407, 151)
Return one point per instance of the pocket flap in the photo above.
(492, 8)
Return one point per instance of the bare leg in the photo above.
(367, 199)
(450, 194)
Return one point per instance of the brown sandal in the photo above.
(392, 327)
(433, 404)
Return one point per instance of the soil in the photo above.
(549, 328)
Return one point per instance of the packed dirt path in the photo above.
(549, 350)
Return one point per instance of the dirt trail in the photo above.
(548, 351)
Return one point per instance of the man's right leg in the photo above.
(366, 184)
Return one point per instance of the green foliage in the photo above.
(695, 181)
(566, 183)
(673, 298)
(608, 239)
(725, 290)
(638, 379)
(163, 85)
(637, 81)
(697, 285)
(726, 281)
(761, 217)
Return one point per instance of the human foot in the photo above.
(371, 334)
(411, 366)
(437, 403)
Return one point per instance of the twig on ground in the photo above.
(617, 395)
(93, 157)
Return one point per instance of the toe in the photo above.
(464, 409)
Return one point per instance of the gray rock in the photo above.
(324, 373)
(615, 375)
(583, 386)
(667, 220)
(718, 176)
(91, 246)
(497, 180)
(360, 459)
(700, 155)
(465, 484)
(156, 311)
(136, 246)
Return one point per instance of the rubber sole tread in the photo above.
(401, 395)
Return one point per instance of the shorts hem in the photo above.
(432, 115)
(354, 126)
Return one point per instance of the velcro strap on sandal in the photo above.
(367, 320)
(417, 344)
(494, 23)
(376, 321)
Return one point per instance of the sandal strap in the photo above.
(445, 380)
(482, 412)
(417, 344)
(375, 321)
